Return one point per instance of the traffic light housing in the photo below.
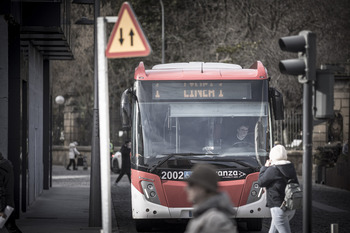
(323, 103)
(305, 65)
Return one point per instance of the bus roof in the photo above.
(197, 66)
(200, 71)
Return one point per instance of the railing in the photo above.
(288, 132)
(72, 126)
(77, 126)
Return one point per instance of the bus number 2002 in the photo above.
(172, 175)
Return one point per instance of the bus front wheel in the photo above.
(254, 224)
(143, 225)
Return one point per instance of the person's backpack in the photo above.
(293, 195)
(293, 198)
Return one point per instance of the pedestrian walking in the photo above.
(7, 194)
(111, 148)
(212, 210)
(73, 152)
(125, 150)
(274, 176)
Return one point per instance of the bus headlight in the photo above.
(150, 191)
(152, 194)
(254, 193)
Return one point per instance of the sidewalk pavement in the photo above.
(64, 208)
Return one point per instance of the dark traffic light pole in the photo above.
(307, 157)
(95, 219)
(307, 80)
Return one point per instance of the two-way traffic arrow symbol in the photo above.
(131, 34)
(121, 36)
(131, 37)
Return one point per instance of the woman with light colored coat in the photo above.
(72, 153)
(273, 176)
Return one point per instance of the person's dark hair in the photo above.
(205, 176)
(244, 124)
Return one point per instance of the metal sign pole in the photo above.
(103, 101)
(104, 126)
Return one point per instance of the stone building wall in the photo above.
(341, 104)
(322, 132)
(319, 137)
(60, 154)
(335, 131)
(338, 176)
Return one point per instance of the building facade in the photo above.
(32, 33)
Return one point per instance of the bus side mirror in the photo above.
(125, 109)
(277, 104)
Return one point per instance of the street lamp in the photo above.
(163, 53)
(60, 101)
(95, 209)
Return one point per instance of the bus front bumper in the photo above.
(143, 209)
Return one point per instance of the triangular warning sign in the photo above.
(127, 38)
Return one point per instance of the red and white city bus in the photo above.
(182, 114)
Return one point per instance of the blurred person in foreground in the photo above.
(213, 210)
(274, 176)
(7, 194)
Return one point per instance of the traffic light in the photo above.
(305, 65)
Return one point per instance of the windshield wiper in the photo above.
(240, 162)
(169, 156)
(243, 164)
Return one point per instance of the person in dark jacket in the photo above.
(125, 150)
(7, 193)
(212, 209)
(273, 176)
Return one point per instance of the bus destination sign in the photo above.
(200, 90)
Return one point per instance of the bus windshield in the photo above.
(213, 121)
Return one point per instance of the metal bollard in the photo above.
(334, 228)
